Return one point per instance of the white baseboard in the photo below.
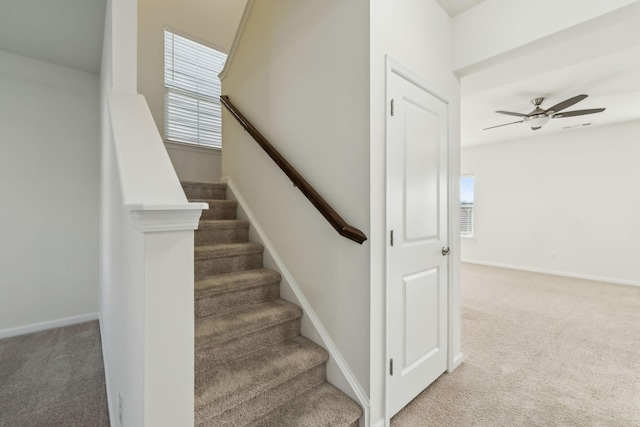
(36, 327)
(555, 272)
(107, 377)
(329, 345)
(457, 361)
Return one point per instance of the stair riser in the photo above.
(253, 409)
(213, 236)
(221, 303)
(218, 192)
(208, 356)
(207, 267)
(322, 406)
(219, 212)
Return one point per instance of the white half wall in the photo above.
(213, 23)
(49, 191)
(300, 75)
(418, 36)
(567, 203)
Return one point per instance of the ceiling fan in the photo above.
(539, 117)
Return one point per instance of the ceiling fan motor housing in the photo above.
(539, 117)
(537, 101)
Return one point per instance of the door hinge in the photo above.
(391, 237)
(392, 109)
(391, 367)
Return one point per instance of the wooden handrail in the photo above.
(316, 199)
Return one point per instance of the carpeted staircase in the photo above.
(252, 366)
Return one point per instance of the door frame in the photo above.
(395, 67)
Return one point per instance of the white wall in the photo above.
(418, 35)
(49, 117)
(213, 23)
(193, 163)
(300, 74)
(566, 203)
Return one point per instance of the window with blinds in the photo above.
(193, 113)
(466, 205)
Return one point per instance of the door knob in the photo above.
(446, 251)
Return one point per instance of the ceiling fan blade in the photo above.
(578, 113)
(566, 103)
(506, 124)
(509, 113)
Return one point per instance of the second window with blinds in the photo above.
(467, 202)
(193, 113)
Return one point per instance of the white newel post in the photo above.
(168, 312)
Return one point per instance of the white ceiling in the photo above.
(602, 62)
(64, 32)
(456, 7)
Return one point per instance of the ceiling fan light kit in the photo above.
(539, 117)
(538, 121)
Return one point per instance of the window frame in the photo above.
(469, 206)
(214, 100)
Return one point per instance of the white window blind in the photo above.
(193, 113)
(466, 205)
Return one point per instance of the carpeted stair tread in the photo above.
(218, 209)
(235, 281)
(227, 386)
(218, 354)
(216, 202)
(204, 190)
(226, 258)
(224, 250)
(249, 411)
(225, 292)
(323, 405)
(221, 231)
(245, 320)
(222, 224)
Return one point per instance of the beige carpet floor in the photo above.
(540, 350)
(53, 378)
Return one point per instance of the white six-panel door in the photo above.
(417, 282)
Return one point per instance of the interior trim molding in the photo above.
(201, 149)
(158, 218)
(43, 326)
(555, 272)
(304, 303)
(107, 377)
(457, 361)
(236, 39)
